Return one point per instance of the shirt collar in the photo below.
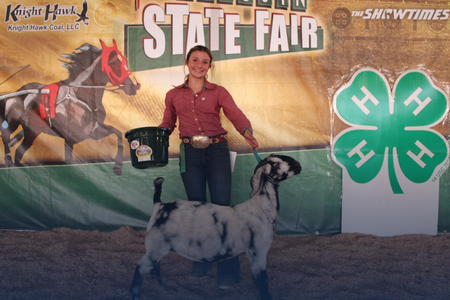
(208, 85)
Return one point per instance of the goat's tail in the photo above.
(158, 188)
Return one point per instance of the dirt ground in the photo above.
(74, 264)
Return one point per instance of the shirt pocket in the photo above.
(207, 104)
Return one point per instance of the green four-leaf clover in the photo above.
(394, 126)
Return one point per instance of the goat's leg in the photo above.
(262, 283)
(155, 273)
(145, 265)
(260, 279)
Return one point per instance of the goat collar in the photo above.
(273, 181)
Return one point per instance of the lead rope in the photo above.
(256, 155)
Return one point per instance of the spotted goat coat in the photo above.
(209, 233)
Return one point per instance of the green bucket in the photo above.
(149, 147)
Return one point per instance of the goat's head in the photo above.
(275, 168)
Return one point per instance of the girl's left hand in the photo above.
(251, 139)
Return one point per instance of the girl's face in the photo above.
(198, 64)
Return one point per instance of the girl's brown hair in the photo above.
(202, 49)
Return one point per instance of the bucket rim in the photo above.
(146, 128)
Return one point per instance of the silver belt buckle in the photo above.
(200, 141)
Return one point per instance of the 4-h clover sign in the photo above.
(390, 130)
(395, 125)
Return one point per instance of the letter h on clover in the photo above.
(395, 126)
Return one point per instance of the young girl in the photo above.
(204, 153)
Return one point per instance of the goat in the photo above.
(209, 233)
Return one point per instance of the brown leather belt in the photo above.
(203, 141)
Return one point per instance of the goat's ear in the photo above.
(257, 181)
(260, 164)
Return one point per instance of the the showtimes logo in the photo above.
(400, 14)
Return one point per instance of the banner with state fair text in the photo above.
(357, 91)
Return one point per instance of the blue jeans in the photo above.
(211, 166)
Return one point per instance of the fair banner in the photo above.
(77, 75)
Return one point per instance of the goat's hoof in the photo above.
(134, 297)
(157, 278)
(266, 296)
(158, 181)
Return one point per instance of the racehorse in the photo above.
(71, 109)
